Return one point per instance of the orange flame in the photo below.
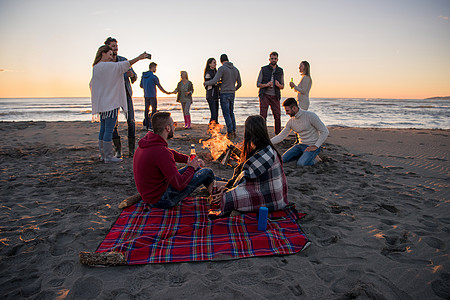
(218, 142)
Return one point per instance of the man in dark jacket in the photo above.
(157, 178)
(231, 82)
(270, 83)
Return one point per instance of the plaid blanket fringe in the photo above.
(185, 233)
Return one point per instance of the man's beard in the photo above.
(170, 135)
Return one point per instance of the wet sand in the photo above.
(377, 215)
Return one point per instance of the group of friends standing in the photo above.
(258, 180)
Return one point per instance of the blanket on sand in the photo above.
(185, 233)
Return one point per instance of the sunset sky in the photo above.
(356, 48)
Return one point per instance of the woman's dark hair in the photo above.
(207, 65)
(256, 134)
(98, 56)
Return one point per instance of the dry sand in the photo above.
(377, 215)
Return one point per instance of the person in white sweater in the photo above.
(304, 86)
(108, 95)
(310, 130)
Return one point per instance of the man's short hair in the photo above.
(273, 53)
(223, 58)
(290, 102)
(110, 40)
(151, 65)
(159, 121)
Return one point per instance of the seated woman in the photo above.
(259, 179)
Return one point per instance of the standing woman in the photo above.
(185, 89)
(212, 91)
(304, 86)
(108, 95)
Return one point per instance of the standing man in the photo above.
(270, 83)
(229, 75)
(128, 76)
(149, 82)
(157, 178)
(311, 133)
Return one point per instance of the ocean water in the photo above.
(380, 113)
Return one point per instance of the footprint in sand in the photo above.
(441, 287)
(434, 242)
(64, 268)
(86, 288)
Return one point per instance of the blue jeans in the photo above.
(297, 152)
(227, 104)
(214, 109)
(107, 128)
(173, 196)
(130, 121)
(149, 101)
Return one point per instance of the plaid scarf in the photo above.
(261, 182)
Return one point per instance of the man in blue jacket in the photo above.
(130, 75)
(149, 82)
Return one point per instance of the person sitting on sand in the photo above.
(184, 92)
(108, 95)
(149, 82)
(311, 133)
(259, 179)
(155, 172)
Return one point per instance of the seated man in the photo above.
(157, 179)
(311, 133)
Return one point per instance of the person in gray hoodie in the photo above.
(231, 82)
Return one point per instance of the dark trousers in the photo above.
(150, 101)
(130, 121)
(264, 102)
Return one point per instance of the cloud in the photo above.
(11, 71)
(443, 18)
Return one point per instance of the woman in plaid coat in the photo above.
(259, 180)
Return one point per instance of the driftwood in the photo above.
(104, 258)
(130, 201)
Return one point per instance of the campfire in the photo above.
(222, 149)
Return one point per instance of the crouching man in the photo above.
(157, 178)
(310, 130)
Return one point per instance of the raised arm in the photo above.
(215, 79)
(140, 57)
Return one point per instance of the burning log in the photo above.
(222, 149)
(232, 152)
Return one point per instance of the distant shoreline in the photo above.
(438, 98)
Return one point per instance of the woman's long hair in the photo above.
(307, 71)
(255, 137)
(98, 56)
(207, 66)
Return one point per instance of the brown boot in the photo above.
(117, 147)
(131, 146)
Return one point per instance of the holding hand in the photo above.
(311, 149)
(291, 84)
(195, 163)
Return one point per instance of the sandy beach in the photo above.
(377, 216)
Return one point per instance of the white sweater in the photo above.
(108, 87)
(309, 128)
(303, 89)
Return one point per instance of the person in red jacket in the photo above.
(157, 178)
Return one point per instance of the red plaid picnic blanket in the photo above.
(185, 233)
